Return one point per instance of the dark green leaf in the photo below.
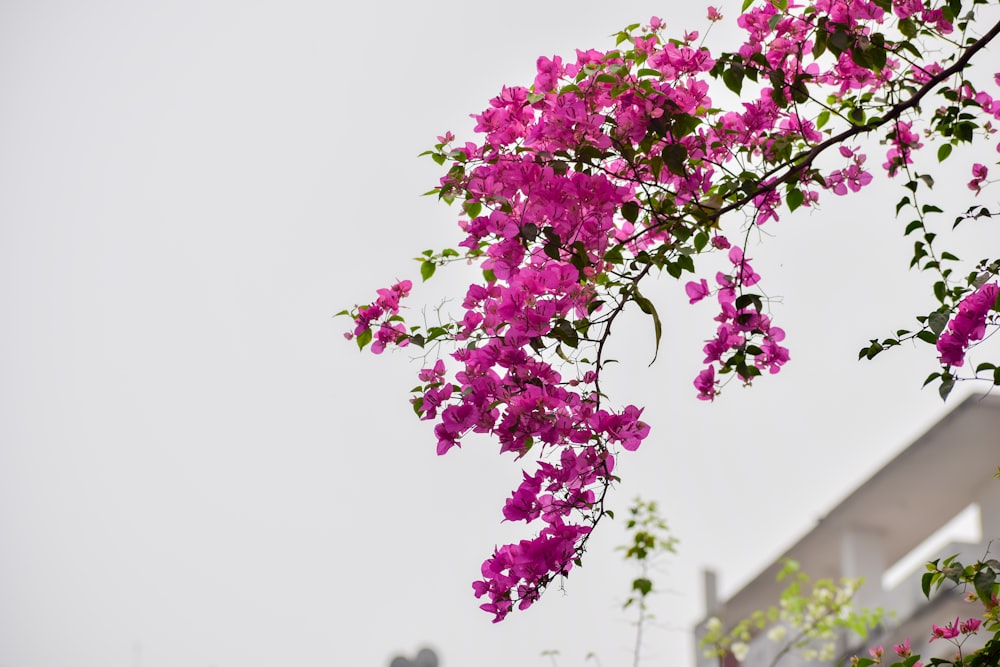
(630, 211)
(874, 349)
(947, 384)
(908, 28)
(878, 56)
(643, 585)
(937, 321)
(983, 582)
(943, 152)
(529, 231)
(683, 124)
(674, 156)
(963, 131)
(819, 46)
(927, 336)
(837, 42)
(925, 583)
(733, 78)
(646, 306)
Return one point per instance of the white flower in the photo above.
(826, 652)
(777, 633)
(714, 625)
(740, 650)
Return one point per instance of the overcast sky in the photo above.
(197, 469)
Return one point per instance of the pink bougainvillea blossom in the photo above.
(609, 166)
(968, 325)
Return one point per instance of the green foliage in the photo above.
(806, 619)
(650, 540)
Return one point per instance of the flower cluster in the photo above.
(614, 166)
(384, 312)
(741, 322)
(968, 325)
(979, 173)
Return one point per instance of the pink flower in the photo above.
(970, 626)
(714, 15)
(968, 325)
(903, 650)
(705, 384)
(979, 173)
(949, 631)
(697, 291)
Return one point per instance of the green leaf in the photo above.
(947, 384)
(837, 42)
(925, 583)
(943, 152)
(908, 28)
(643, 585)
(700, 241)
(746, 300)
(983, 582)
(646, 306)
(878, 55)
(937, 322)
(733, 78)
(630, 211)
(674, 156)
(683, 124)
(963, 131)
(746, 3)
(427, 270)
(364, 338)
(819, 46)
(794, 199)
(927, 336)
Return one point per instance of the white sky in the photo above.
(196, 469)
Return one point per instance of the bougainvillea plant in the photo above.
(614, 166)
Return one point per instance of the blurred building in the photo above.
(939, 476)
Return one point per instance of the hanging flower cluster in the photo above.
(616, 165)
